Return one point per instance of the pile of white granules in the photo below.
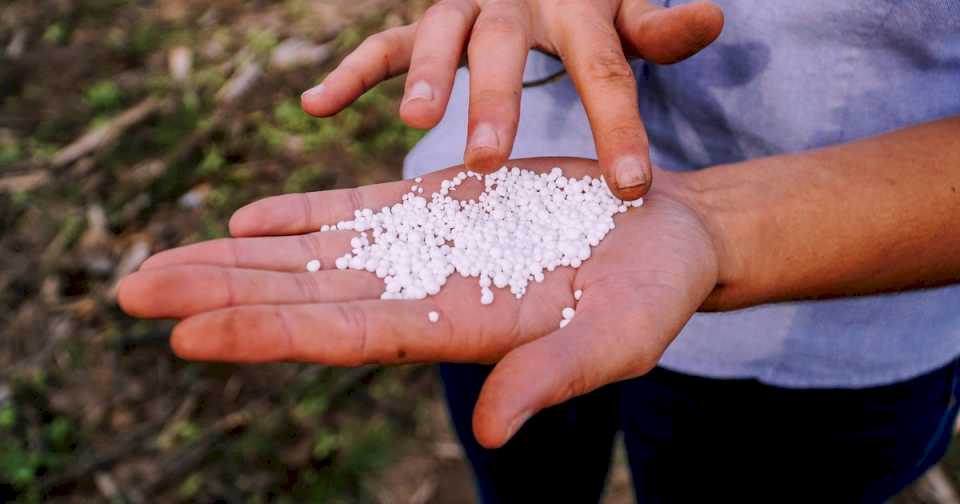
(522, 224)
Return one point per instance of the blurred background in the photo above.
(132, 126)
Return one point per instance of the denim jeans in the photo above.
(694, 439)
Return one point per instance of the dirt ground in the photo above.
(128, 127)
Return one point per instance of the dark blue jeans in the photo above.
(693, 439)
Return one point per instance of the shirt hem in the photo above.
(778, 378)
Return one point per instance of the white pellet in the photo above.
(577, 294)
(568, 313)
(433, 316)
(486, 296)
(313, 265)
(523, 225)
(564, 322)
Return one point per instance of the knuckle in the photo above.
(229, 340)
(494, 98)
(378, 50)
(428, 62)
(308, 286)
(288, 342)
(609, 66)
(563, 8)
(570, 4)
(356, 199)
(378, 42)
(362, 81)
(353, 72)
(307, 207)
(563, 17)
(355, 324)
(312, 245)
(624, 133)
(230, 296)
(499, 25)
(446, 13)
(397, 33)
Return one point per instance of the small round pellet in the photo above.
(433, 316)
(568, 313)
(523, 225)
(486, 296)
(577, 294)
(313, 265)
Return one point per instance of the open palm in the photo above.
(249, 299)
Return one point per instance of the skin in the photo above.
(593, 38)
(249, 299)
(871, 216)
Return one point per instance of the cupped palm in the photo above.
(249, 299)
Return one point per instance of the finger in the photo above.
(337, 334)
(307, 212)
(497, 54)
(182, 291)
(379, 57)
(593, 350)
(668, 35)
(591, 50)
(280, 253)
(440, 37)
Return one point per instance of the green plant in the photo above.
(9, 153)
(103, 96)
(56, 33)
(212, 163)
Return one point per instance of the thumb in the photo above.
(667, 35)
(585, 355)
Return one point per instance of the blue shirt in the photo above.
(784, 76)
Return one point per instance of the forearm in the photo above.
(876, 215)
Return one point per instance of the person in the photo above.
(778, 322)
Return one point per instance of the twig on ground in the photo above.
(126, 445)
(105, 134)
(185, 459)
(25, 182)
(240, 82)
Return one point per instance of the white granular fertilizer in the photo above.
(523, 224)
(567, 315)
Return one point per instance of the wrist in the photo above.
(714, 196)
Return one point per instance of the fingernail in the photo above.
(517, 423)
(484, 137)
(315, 90)
(629, 172)
(420, 90)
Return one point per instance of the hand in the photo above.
(249, 299)
(591, 37)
